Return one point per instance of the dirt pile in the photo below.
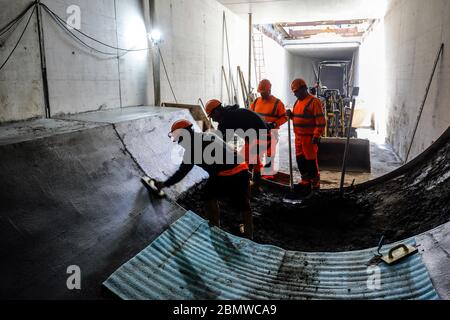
(412, 203)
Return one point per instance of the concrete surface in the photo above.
(273, 11)
(38, 129)
(414, 31)
(434, 247)
(72, 196)
(383, 160)
(21, 94)
(72, 199)
(81, 80)
(139, 128)
(119, 115)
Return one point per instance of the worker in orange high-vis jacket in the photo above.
(309, 125)
(228, 172)
(273, 112)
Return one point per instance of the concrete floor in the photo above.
(383, 161)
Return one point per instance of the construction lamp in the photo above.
(155, 37)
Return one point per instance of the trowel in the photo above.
(149, 183)
(399, 253)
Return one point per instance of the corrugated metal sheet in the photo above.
(193, 261)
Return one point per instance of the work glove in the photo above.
(316, 141)
(271, 125)
(160, 185)
(289, 114)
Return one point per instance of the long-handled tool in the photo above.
(149, 183)
(291, 170)
(347, 146)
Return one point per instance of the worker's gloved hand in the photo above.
(271, 125)
(289, 114)
(316, 141)
(160, 185)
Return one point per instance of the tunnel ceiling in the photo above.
(293, 11)
(321, 29)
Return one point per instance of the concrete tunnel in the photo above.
(89, 92)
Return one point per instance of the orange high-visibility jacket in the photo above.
(308, 117)
(271, 110)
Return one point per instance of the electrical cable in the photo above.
(91, 38)
(18, 41)
(70, 33)
(167, 76)
(17, 19)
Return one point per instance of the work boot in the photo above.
(304, 190)
(256, 183)
(315, 183)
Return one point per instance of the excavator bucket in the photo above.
(331, 155)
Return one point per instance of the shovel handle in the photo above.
(291, 170)
(400, 246)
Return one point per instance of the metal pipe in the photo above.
(226, 83)
(156, 62)
(291, 170)
(40, 28)
(250, 36)
(347, 148)
(441, 49)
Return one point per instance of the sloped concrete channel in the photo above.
(73, 197)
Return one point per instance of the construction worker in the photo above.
(228, 172)
(247, 125)
(309, 126)
(273, 111)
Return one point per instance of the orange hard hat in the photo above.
(212, 105)
(297, 84)
(180, 124)
(264, 86)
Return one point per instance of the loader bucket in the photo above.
(331, 155)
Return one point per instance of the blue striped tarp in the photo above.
(192, 261)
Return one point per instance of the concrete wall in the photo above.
(79, 79)
(282, 67)
(370, 77)
(414, 30)
(193, 48)
(20, 80)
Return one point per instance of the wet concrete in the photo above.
(70, 195)
(72, 199)
(410, 204)
(39, 129)
(383, 160)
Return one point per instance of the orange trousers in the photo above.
(306, 153)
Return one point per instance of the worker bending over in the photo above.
(309, 125)
(247, 125)
(273, 112)
(228, 172)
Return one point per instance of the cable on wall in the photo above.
(5, 29)
(167, 75)
(61, 21)
(19, 40)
